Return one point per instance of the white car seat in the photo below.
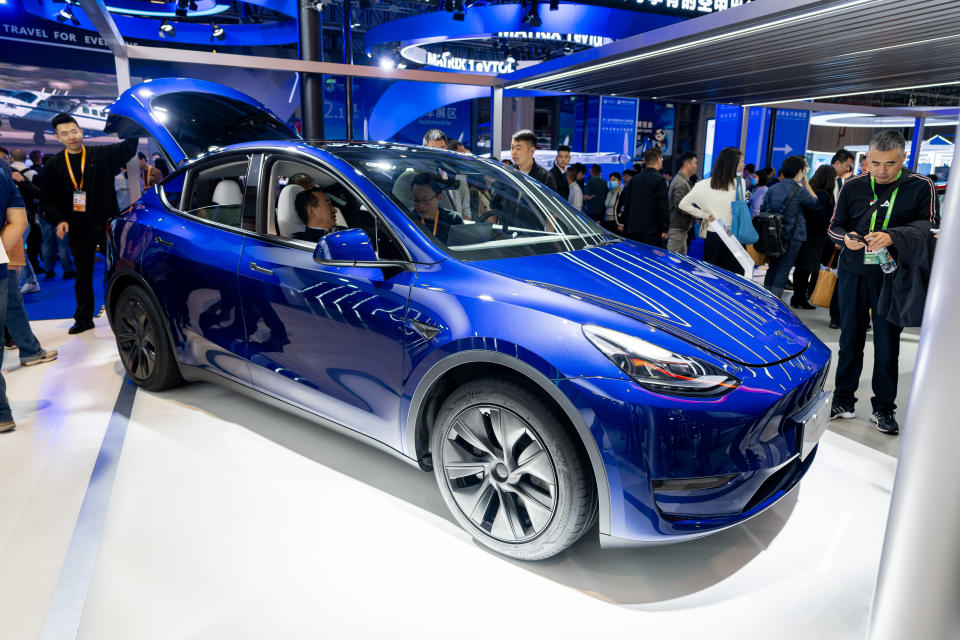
(288, 222)
(227, 192)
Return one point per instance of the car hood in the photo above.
(704, 305)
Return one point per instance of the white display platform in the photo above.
(229, 519)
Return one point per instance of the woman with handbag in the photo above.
(787, 197)
(712, 200)
(807, 265)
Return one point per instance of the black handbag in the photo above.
(769, 226)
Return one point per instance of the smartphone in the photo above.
(857, 237)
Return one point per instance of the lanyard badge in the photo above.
(79, 195)
(880, 256)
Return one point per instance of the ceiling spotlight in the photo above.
(216, 31)
(355, 24)
(67, 14)
(402, 65)
(532, 17)
(319, 5)
(182, 6)
(445, 54)
(510, 58)
(166, 30)
(387, 63)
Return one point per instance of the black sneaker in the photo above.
(886, 422)
(840, 410)
(834, 325)
(80, 327)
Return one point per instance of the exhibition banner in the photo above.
(618, 126)
(758, 133)
(655, 126)
(454, 120)
(789, 135)
(727, 128)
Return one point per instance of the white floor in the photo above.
(229, 519)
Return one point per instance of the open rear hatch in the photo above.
(189, 117)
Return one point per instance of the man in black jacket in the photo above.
(644, 209)
(522, 146)
(559, 171)
(78, 196)
(904, 197)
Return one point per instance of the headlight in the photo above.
(659, 370)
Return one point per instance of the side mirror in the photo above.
(350, 245)
(353, 249)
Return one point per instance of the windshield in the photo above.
(472, 208)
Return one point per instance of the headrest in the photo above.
(288, 222)
(227, 192)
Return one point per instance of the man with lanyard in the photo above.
(426, 194)
(887, 197)
(78, 195)
(13, 222)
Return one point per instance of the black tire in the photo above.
(142, 341)
(510, 490)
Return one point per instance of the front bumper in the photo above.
(747, 440)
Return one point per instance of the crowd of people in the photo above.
(838, 217)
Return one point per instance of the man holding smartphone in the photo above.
(886, 197)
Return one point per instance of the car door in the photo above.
(326, 339)
(190, 260)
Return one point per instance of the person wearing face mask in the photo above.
(610, 202)
(750, 175)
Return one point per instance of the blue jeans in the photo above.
(18, 324)
(53, 247)
(25, 273)
(5, 414)
(779, 269)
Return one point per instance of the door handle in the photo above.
(160, 240)
(259, 269)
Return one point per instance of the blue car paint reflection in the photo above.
(364, 347)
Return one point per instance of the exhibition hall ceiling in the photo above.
(772, 50)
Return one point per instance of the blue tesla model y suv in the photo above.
(463, 317)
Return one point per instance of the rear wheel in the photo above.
(509, 470)
(142, 341)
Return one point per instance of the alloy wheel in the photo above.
(500, 473)
(136, 339)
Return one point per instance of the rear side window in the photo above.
(217, 195)
(200, 122)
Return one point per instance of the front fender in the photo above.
(544, 378)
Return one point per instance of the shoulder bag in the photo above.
(742, 222)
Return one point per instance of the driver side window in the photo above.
(304, 203)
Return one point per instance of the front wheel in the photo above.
(142, 341)
(509, 470)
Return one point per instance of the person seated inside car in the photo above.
(425, 193)
(316, 211)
